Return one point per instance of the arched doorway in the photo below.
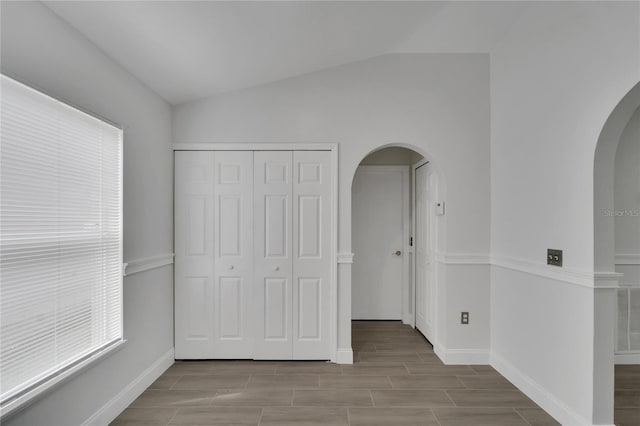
(394, 276)
(606, 276)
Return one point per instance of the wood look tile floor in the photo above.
(395, 380)
(627, 395)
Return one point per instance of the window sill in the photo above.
(24, 400)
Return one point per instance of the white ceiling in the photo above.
(187, 50)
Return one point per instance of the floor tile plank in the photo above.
(410, 398)
(332, 398)
(304, 416)
(490, 398)
(392, 416)
(478, 417)
(537, 417)
(206, 416)
(253, 398)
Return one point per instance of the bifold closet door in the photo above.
(311, 254)
(233, 254)
(252, 243)
(292, 266)
(213, 248)
(194, 251)
(273, 261)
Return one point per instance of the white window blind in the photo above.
(60, 238)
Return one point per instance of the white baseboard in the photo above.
(622, 359)
(408, 320)
(344, 356)
(556, 408)
(462, 356)
(126, 396)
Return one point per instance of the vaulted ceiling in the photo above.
(187, 50)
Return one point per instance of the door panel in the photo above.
(378, 228)
(309, 305)
(233, 254)
(310, 229)
(230, 215)
(195, 298)
(424, 219)
(272, 254)
(195, 225)
(276, 222)
(276, 316)
(311, 265)
(194, 250)
(230, 297)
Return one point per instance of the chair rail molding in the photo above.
(627, 259)
(463, 258)
(146, 263)
(577, 277)
(345, 257)
(607, 280)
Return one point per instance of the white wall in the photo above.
(438, 104)
(555, 79)
(39, 49)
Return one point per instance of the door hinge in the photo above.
(410, 241)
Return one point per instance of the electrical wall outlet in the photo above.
(554, 257)
(464, 318)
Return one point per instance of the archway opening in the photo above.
(394, 238)
(617, 268)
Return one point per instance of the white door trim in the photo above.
(333, 147)
(255, 147)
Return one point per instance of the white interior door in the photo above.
(194, 251)
(311, 251)
(380, 233)
(273, 265)
(423, 252)
(233, 277)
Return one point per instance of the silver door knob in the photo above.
(277, 268)
(397, 253)
(231, 267)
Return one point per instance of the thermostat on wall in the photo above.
(439, 208)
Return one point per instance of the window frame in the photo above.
(53, 380)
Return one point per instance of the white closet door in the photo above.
(194, 248)
(272, 260)
(311, 254)
(233, 174)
